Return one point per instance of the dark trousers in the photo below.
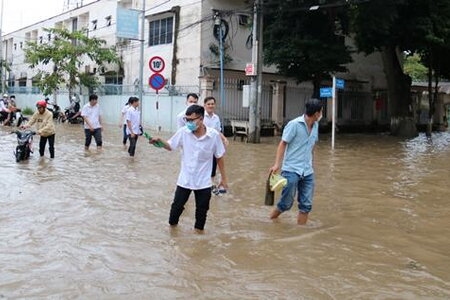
(132, 148)
(125, 135)
(51, 145)
(214, 168)
(202, 198)
(97, 136)
(3, 115)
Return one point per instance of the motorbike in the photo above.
(24, 142)
(73, 118)
(17, 118)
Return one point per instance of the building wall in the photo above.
(185, 52)
(16, 41)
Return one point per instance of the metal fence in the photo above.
(114, 89)
(355, 107)
(296, 98)
(231, 107)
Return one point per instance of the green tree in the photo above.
(435, 49)
(67, 55)
(392, 27)
(304, 44)
(414, 68)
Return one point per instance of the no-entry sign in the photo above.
(157, 64)
(157, 81)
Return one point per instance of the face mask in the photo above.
(192, 126)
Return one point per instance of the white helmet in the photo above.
(5, 95)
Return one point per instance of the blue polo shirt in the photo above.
(300, 143)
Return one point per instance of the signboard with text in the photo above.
(127, 23)
(326, 92)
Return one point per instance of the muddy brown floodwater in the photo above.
(94, 225)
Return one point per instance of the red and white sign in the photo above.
(250, 70)
(157, 64)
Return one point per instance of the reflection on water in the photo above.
(91, 224)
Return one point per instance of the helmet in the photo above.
(5, 95)
(41, 103)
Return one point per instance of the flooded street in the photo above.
(95, 225)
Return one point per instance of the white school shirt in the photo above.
(212, 121)
(124, 114)
(196, 162)
(134, 116)
(93, 114)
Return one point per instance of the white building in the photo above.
(182, 33)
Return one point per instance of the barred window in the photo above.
(161, 32)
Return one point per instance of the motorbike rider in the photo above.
(5, 113)
(45, 127)
(73, 110)
(15, 112)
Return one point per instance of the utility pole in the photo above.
(255, 106)
(141, 62)
(2, 71)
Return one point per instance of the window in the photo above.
(94, 24)
(74, 24)
(15, 46)
(108, 21)
(40, 39)
(49, 37)
(21, 45)
(161, 32)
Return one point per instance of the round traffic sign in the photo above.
(157, 64)
(157, 81)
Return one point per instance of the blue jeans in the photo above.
(305, 187)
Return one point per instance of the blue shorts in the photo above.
(305, 187)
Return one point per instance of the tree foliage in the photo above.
(67, 55)
(394, 26)
(414, 67)
(306, 45)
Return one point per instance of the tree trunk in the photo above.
(430, 94)
(317, 80)
(399, 90)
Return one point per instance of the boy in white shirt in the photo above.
(199, 144)
(213, 121)
(190, 100)
(123, 121)
(92, 122)
(133, 119)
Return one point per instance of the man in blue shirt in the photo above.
(296, 147)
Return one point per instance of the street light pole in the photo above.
(141, 62)
(1, 52)
(254, 107)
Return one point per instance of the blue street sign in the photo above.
(340, 83)
(127, 23)
(157, 81)
(326, 92)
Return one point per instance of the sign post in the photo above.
(333, 116)
(337, 84)
(157, 81)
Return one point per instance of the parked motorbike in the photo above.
(24, 142)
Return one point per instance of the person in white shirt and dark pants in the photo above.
(123, 121)
(199, 144)
(92, 122)
(213, 121)
(133, 119)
